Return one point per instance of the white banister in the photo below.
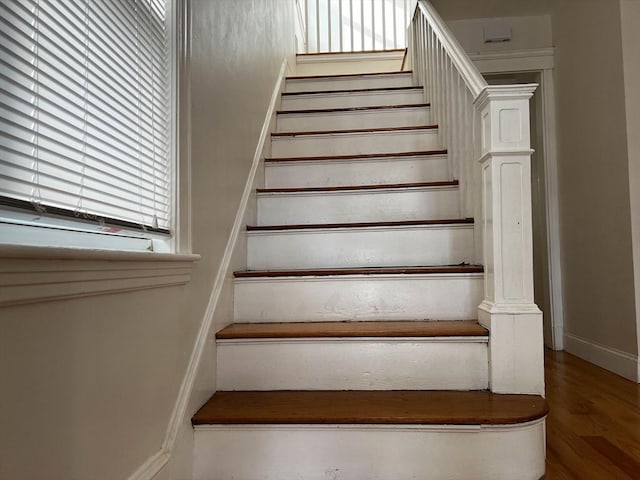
(486, 132)
(355, 25)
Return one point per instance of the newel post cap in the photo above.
(504, 92)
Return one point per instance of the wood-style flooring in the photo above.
(593, 430)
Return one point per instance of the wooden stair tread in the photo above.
(351, 90)
(370, 407)
(384, 186)
(357, 157)
(395, 329)
(327, 272)
(352, 75)
(354, 109)
(355, 130)
(326, 226)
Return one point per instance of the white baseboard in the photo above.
(612, 359)
(152, 466)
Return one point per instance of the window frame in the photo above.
(32, 273)
(18, 216)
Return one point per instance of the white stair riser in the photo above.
(359, 206)
(379, 118)
(348, 83)
(331, 173)
(348, 364)
(359, 297)
(363, 247)
(357, 452)
(343, 100)
(355, 144)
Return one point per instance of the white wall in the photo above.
(461, 9)
(528, 32)
(88, 385)
(593, 162)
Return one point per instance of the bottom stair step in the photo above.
(398, 355)
(374, 435)
(398, 407)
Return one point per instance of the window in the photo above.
(87, 123)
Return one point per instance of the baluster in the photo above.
(341, 49)
(362, 24)
(417, 66)
(466, 140)
(384, 25)
(330, 49)
(317, 25)
(426, 82)
(454, 126)
(441, 104)
(406, 16)
(445, 109)
(351, 24)
(425, 59)
(457, 134)
(373, 25)
(437, 81)
(443, 101)
(395, 27)
(306, 26)
(476, 148)
(433, 69)
(450, 113)
(431, 72)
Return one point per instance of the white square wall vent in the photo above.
(496, 34)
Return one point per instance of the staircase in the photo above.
(355, 352)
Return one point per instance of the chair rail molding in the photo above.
(42, 274)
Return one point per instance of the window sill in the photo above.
(42, 274)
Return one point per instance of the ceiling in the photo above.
(458, 9)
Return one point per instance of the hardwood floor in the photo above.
(593, 430)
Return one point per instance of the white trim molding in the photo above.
(42, 274)
(514, 60)
(157, 462)
(622, 363)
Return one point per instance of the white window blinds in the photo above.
(85, 109)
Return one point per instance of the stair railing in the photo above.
(486, 131)
(354, 25)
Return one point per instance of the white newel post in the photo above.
(516, 356)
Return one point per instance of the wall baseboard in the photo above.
(612, 359)
(150, 468)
